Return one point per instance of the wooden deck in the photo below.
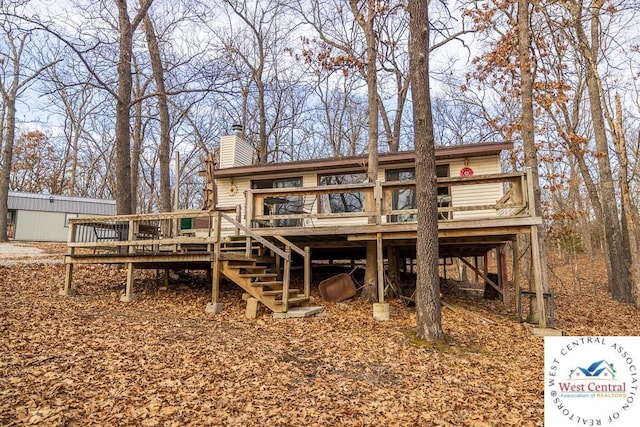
(246, 245)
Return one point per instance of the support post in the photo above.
(502, 272)
(393, 269)
(485, 264)
(248, 203)
(516, 276)
(238, 218)
(380, 262)
(128, 293)
(475, 262)
(285, 280)
(166, 278)
(68, 278)
(215, 306)
(307, 271)
(377, 194)
(380, 309)
(537, 277)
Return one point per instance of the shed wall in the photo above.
(41, 226)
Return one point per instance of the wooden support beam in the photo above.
(128, 293)
(380, 262)
(475, 262)
(481, 274)
(485, 266)
(537, 277)
(502, 274)
(215, 274)
(68, 280)
(393, 267)
(286, 279)
(307, 271)
(516, 272)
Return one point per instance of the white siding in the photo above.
(482, 194)
(228, 197)
(234, 151)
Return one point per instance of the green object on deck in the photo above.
(186, 223)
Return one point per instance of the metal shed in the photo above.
(45, 217)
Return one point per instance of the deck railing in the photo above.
(152, 234)
(377, 203)
(131, 233)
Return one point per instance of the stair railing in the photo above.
(285, 255)
(306, 255)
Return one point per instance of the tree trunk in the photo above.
(164, 150)
(7, 158)
(626, 205)
(428, 315)
(366, 23)
(528, 138)
(136, 149)
(124, 203)
(123, 194)
(619, 279)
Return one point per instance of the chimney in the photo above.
(234, 150)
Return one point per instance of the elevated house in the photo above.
(258, 219)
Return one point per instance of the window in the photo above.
(406, 198)
(444, 193)
(281, 205)
(345, 201)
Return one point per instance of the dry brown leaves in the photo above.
(92, 360)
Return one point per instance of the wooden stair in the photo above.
(252, 276)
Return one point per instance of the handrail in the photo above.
(147, 216)
(255, 236)
(382, 194)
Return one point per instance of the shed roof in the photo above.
(442, 153)
(56, 203)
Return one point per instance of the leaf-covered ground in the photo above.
(92, 360)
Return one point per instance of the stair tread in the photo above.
(258, 268)
(279, 292)
(267, 283)
(259, 275)
(292, 300)
(235, 256)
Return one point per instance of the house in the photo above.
(45, 217)
(262, 218)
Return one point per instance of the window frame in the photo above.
(326, 206)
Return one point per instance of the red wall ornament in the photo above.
(466, 171)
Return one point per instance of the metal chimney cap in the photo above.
(237, 127)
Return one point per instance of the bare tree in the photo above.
(589, 48)
(18, 70)
(164, 148)
(529, 144)
(428, 316)
(126, 27)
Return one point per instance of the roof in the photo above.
(442, 153)
(56, 203)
